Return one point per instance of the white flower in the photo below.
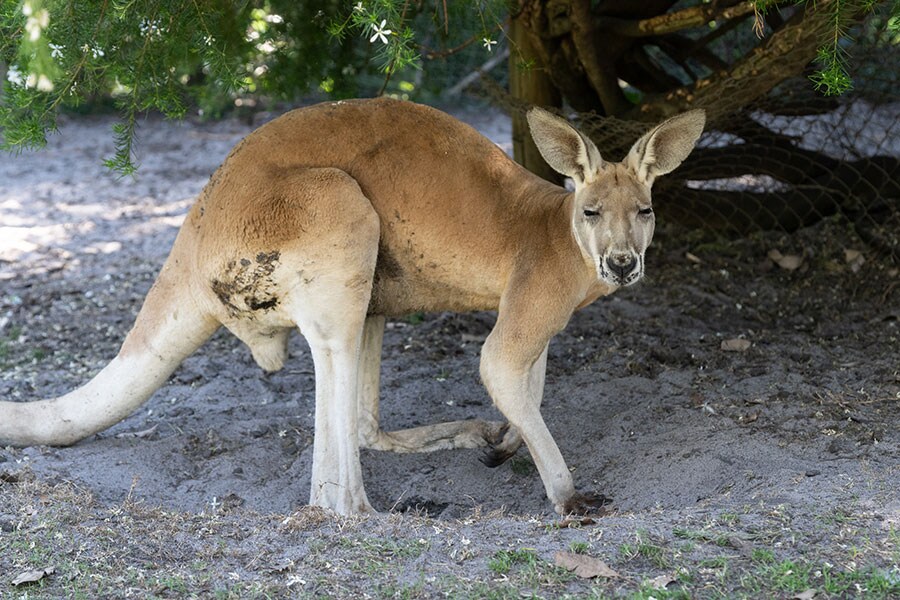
(14, 75)
(359, 7)
(36, 22)
(56, 51)
(94, 50)
(380, 33)
(150, 28)
(44, 84)
(488, 42)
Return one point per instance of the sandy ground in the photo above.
(645, 404)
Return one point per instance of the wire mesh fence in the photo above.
(794, 157)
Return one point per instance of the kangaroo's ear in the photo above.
(563, 147)
(665, 146)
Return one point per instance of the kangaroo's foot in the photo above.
(502, 447)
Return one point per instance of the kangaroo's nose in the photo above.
(621, 264)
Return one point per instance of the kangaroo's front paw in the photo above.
(501, 448)
(586, 504)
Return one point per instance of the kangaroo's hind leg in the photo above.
(333, 268)
(472, 433)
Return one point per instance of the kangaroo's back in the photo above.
(451, 203)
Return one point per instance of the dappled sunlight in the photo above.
(60, 207)
(17, 242)
(32, 233)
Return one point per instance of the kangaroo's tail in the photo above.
(169, 327)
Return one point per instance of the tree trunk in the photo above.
(530, 83)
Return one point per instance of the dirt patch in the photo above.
(723, 466)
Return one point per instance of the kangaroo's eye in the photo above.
(591, 213)
(646, 212)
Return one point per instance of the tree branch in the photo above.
(785, 54)
(688, 18)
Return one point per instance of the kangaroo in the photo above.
(330, 218)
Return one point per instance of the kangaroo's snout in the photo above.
(621, 264)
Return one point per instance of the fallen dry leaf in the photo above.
(736, 345)
(693, 258)
(576, 522)
(282, 566)
(32, 576)
(788, 262)
(804, 595)
(854, 258)
(584, 566)
(749, 417)
(661, 582)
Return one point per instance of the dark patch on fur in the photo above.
(268, 259)
(386, 266)
(255, 304)
(223, 292)
(246, 287)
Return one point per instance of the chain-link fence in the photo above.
(796, 157)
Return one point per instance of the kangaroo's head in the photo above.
(613, 218)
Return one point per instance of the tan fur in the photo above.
(332, 217)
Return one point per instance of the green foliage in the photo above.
(168, 55)
(388, 30)
(142, 53)
(832, 78)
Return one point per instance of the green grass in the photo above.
(762, 555)
(578, 547)
(521, 465)
(729, 518)
(100, 551)
(371, 555)
(654, 553)
(794, 576)
(524, 568)
(415, 318)
(700, 536)
(504, 560)
(6, 342)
